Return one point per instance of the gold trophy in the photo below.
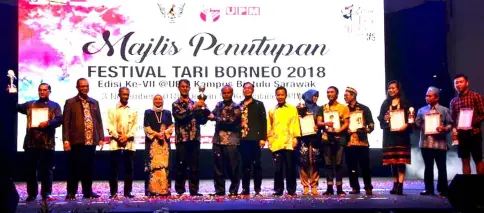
(301, 107)
(201, 98)
(12, 88)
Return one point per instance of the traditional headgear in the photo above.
(352, 90)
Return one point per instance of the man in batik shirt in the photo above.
(225, 142)
(39, 142)
(470, 141)
(334, 140)
(82, 130)
(358, 148)
(254, 131)
(187, 139)
(434, 145)
(282, 132)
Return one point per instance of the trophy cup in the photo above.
(301, 107)
(411, 115)
(201, 98)
(11, 75)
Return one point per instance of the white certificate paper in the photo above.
(356, 121)
(39, 115)
(307, 125)
(332, 116)
(397, 119)
(465, 119)
(432, 121)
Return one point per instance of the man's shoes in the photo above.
(277, 194)
(196, 194)
(233, 194)
(258, 194)
(217, 194)
(444, 194)
(369, 192)
(426, 193)
(114, 197)
(354, 191)
(70, 197)
(244, 192)
(129, 196)
(92, 195)
(31, 198)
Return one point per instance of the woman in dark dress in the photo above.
(158, 127)
(308, 146)
(396, 143)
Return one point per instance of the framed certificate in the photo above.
(432, 121)
(356, 121)
(307, 125)
(397, 119)
(332, 116)
(465, 119)
(39, 115)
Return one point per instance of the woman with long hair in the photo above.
(396, 140)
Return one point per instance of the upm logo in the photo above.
(243, 11)
(210, 15)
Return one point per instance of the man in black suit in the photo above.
(254, 132)
(82, 130)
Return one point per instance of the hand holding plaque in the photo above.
(432, 123)
(465, 119)
(39, 115)
(397, 119)
(202, 110)
(333, 117)
(356, 121)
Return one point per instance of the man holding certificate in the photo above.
(335, 118)
(435, 122)
(467, 111)
(310, 142)
(282, 132)
(122, 121)
(358, 148)
(43, 117)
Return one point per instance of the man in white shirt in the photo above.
(122, 127)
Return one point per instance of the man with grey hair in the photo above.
(433, 142)
(227, 117)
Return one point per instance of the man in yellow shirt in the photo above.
(283, 130)
(334, 139)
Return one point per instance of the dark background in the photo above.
(425, 46)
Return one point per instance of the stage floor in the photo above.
(380, 201)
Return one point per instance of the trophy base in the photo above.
(302, 111)
(12, 90)
(203, 112)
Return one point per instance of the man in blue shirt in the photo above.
(433, 144)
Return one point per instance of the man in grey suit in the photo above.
(82, 130)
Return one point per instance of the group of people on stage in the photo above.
(244, 128)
